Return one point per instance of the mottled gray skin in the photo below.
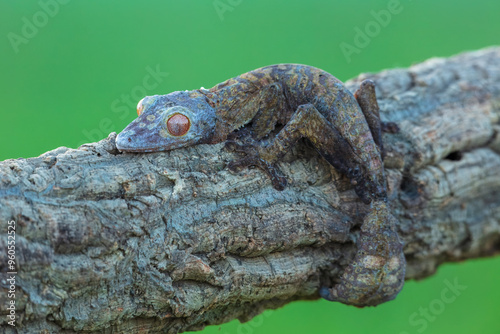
(278, 105)
(148, 132)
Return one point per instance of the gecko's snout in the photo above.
(124, 142)
(121, 141)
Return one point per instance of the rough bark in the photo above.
(169, 242)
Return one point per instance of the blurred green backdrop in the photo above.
(73, 71)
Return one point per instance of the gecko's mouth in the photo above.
(124, 143)
(144, 142)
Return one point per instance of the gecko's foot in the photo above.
(253, 159)
(250, 158)
(233, 146)
(277, 179)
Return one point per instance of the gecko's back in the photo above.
(300, 85)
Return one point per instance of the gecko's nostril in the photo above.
(129, 140)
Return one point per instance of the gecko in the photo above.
(270, 109)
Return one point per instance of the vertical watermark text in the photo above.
(11, 273)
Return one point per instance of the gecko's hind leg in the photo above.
(367, 100)
(308, 122)
(269, 103)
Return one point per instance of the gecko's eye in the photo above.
(140, 107)
(178, 125)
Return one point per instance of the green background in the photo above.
(78, 75)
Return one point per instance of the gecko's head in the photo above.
(170, 121)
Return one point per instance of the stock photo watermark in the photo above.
(420, 319)
(223, 6)
(10, 281)
(31, 26)
(364, 35)
(126, 104)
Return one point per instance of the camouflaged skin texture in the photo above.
(149, 132)
(262, 114)
(377, 273)
(268, 98)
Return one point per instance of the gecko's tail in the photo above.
(377, 273)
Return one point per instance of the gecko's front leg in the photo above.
(266, 108)
(377, 273)
(252, 158)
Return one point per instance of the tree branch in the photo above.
(172, 241)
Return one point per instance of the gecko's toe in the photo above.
(278, 180)
(236, 166)
(233, 146)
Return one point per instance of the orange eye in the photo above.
(178, 125)
(140, 107)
